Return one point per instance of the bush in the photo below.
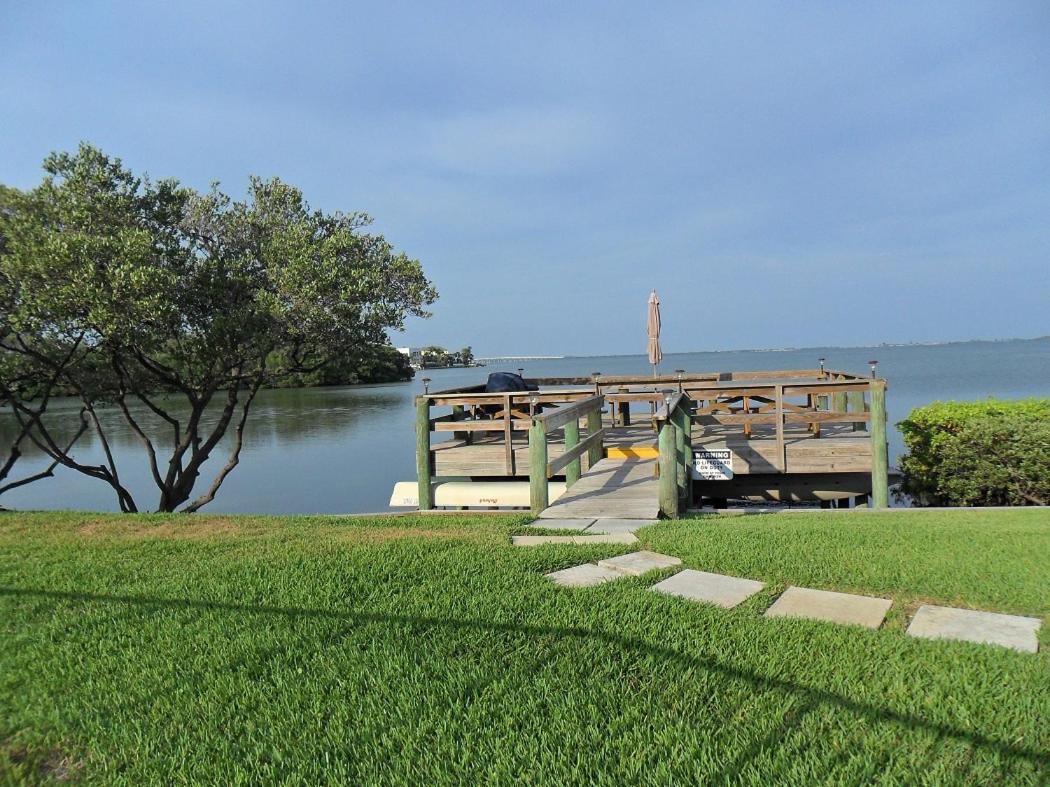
(978, 453)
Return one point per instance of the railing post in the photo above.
(880, 468)
(423, 465)
(838, 401)
(538, 498)
(572, 439)
(683, 423)
(625, 411)
(668, 443)
(778, 394)
(856, 405)
(594, 425)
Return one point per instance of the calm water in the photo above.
(338, 450)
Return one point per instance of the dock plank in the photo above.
(612, 489)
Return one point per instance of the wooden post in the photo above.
(781, 445)
(856, 405)
(508, 436)
(625, 411)
(683, 423)
(459, 413)
(572, 439)
(423, 467)
(880, 468)
(538, 499)
(838, 401)
(594, 425)
(668, 443)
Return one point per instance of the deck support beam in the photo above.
(880, 468)
(538, 496)
(855, 400)
(594, 425)
(683, 422)
(572, 439)
(424, 462)
(668, 443)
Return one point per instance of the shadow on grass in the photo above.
(809, 697)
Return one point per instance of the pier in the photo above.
(639, 446)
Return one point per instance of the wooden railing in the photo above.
(675, 442)
(567, 416)
(748, 399)
(834, 398)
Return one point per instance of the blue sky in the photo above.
(784, 174)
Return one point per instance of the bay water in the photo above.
(340, 450)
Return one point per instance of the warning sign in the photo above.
(713, 464)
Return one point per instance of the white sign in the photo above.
(713, 464)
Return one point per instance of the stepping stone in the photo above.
(717, 589)
(562, 524)
(579, 540)
(834, 607)
(1010, 631)
(584, 576)
(619, 525)
(638, 563)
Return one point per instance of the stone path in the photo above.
(631, 565)
(584, 576)
(834, 607)
(717, 589)
(578, 540)
(1010, 631)
(638, 563)
(930, 622)
(593, 525)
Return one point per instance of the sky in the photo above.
(783, 174)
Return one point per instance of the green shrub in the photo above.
(978, 453)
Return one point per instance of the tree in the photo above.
(185, 304)
(435, 356)
(466, 356)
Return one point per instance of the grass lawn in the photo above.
(427, 650)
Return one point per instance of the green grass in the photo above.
(158, 649)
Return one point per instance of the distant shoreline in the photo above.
(774, 349)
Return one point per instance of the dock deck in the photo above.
(612, 489)
(790, 435)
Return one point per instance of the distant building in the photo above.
(414, 354)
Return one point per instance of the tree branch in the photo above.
(235, 455)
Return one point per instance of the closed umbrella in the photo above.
(653, 329)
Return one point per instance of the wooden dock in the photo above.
(612, 489)
(791, 435)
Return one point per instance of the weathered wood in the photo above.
(683, 423)
(778, 393)
(570, 412)
(613, 488)
(423, 459)
(668, 442)
(625, 408)
(516, 424)
(508, 437)
(572, 440)
(838, 401)
(880, 468)
(595, 450)
(771, 418)
(538, 498)
(855, 400)
(575, 452)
